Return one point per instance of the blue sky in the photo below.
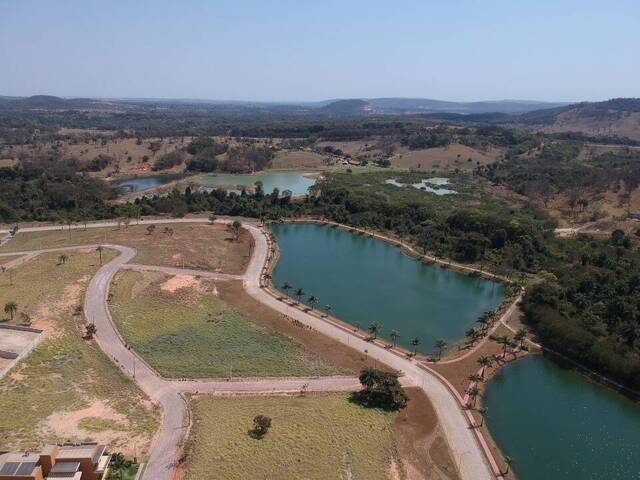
(312, 50)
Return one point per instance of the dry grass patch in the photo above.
(200, 246)
(67, 383)
(445, 158)
(317, 437)
(297, 159)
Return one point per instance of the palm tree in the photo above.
(62, 259)
(440, 345)
(485, 362)
(476, 378)
(395, 334)
(520, 337)
(312, 301)
(99, 250)
(472, 334)
(299, 293)
(485, 320)
(507, 461)
(236, 229)
(375, 328)
(368, 377)
(10, 309)
(415, 343)
(483, 414)
(286, 286)
(327, 310)
(505, 342)
(473, 395)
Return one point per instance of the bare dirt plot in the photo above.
(297, 159)
(353, 148)
(16, 340)
(445, 158)
(61, 389)
(199, 246)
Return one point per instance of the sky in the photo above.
(277, 50)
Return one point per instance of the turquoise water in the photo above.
(294, 181)
(143, 183)
(556, 424)
(366, 280)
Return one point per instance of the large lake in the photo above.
(297, 182)
(557, 424)
(366, 280)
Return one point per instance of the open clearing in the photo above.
(316, 437)
(445, 158)
(199, 246)
(297, 159)
(184, 330)
(67, 389)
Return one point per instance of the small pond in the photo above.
(426, 184)
(297, 182)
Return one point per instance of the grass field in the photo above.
(181, 327)
(297, 159)
(316, 437)
(202, 246)
(67, 383)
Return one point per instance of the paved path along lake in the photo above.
(366, 280)
(555, 423)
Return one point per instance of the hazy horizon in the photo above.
(287, 51)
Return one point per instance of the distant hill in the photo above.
(412, 106)
(424, 105)
(353, 107)
(616, 117)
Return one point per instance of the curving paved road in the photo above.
(468, 447)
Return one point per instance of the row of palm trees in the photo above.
(312, 300)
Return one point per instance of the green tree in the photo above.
(520, 337)
(10, 309)
(380, 390)
(62, 259)
(395, 335)
(312, 301)
(440, 345)
(415, 343)
(235, 227)
(150, 229)
(485, 362)
(99, 250)
(261, 426)
(299, 293)
(375, 328)
(286, 286)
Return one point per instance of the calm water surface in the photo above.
(294, 181)
(143, 183)
(556, 424)
(366, 280)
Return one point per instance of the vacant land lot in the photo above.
(445, 158)
(297, 159)
(67, 389)
(201, 246)
(317, 437)
(5, 260)
(183, 329)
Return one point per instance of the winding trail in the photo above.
(469, 449)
